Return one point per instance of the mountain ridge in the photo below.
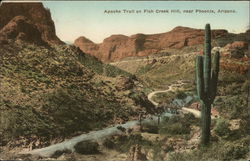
(116, 47)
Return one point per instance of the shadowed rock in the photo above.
(21, 29)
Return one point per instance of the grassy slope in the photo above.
(55, 92)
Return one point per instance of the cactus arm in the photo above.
(207, 60)
(215, 74)
(199, 77)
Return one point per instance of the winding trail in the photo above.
(104, 133)
(150, 95)
(141, 59)
(172, 87)
(195, 112)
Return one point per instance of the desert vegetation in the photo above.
(52, 92)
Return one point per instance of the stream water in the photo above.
(92, 136)
(97, 135)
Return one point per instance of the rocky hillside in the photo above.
(34, 18)
(117, 47)
(51, 91)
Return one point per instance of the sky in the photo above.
(88, 18)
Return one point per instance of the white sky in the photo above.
(87, 18)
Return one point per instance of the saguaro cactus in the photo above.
(206, 82)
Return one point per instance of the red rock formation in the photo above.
(21, 29)
(36, 14)
(237, 45)
(117, 47)
(235, 67)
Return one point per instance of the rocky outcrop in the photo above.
(237, 45)
(236, 49)
(117, 47)
(235, 67)
(36, 18)
(235, 57)
(21, 29)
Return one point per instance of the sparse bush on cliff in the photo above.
(222, 127)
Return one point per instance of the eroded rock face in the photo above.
(117, 47)
(237, 45)
(236, 49)
(235, 57)
(21, 29)
(36, 16)
(236, 67)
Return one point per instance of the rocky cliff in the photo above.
(27, 20)
(117, 47)
(21, 29)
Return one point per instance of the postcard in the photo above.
(124, 80)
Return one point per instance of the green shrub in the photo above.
(173, 129)
(235, 152)
(181, 94)
(60, 152)
(232, 106)
(150, 128)
(109, 143)
(175, 125)
(140, 98)
(222, 127)
(123, 143)
(87, 147)
(222, 151)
